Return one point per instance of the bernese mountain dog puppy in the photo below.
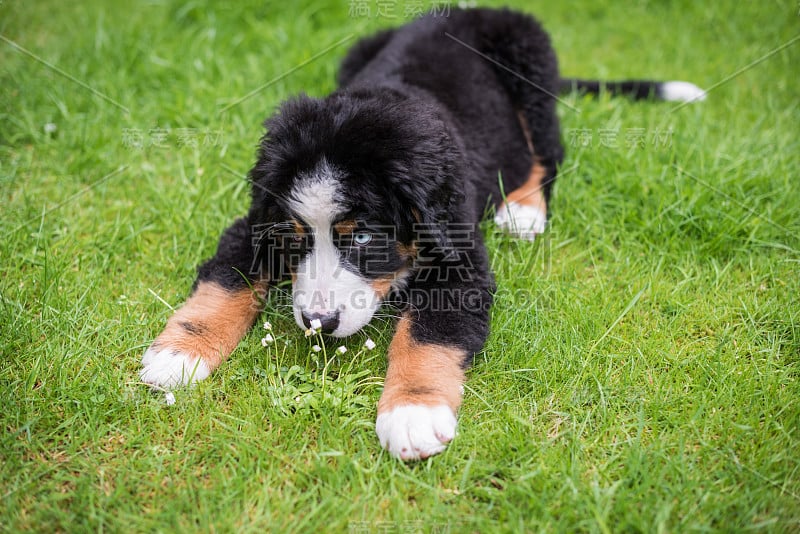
(373, 195)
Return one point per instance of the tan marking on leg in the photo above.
(530, 193)
(421, 373)
(211, 322)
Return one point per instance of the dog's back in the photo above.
(485, 69)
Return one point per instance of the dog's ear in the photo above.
(431, 186)
(433, 222)
(283, 148)
(437, 229)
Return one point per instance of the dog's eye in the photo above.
(297, 238)
(362, 238)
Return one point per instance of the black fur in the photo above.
(423, 127)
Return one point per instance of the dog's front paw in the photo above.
(169, 368)
(521, 220)
(415, 431)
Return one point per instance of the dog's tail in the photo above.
(637, 89)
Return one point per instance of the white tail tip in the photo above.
(681, 92)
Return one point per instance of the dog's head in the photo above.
(346, 187)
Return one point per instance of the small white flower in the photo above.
(309, 332)
(369, 344)
(316, 348)
(316, 324)
(170, 398)
(268, 326)
(50, 127)
(266, 340)
(341, 350)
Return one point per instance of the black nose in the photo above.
(330, 321)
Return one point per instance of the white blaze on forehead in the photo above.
(321, 284)
(314, 199)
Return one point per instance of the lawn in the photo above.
(642, 372)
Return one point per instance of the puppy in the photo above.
(374, 194)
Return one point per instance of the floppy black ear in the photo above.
(434, 223)
(264, 219)
(441, 207)
(292, 143)
(434, 210)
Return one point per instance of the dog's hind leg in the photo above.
(201, 334)
(523, 213)
(526, 65)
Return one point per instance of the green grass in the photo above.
(642, 373)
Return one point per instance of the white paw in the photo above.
(681, 92)
(413, 431)
(520, 220)
(168, 368)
